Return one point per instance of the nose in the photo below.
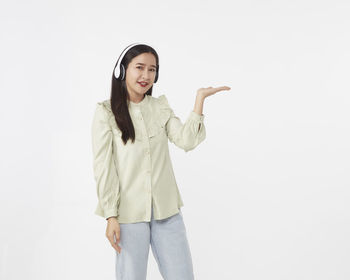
(145, 74)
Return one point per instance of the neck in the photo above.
(136, 98)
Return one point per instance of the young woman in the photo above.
(136, 187)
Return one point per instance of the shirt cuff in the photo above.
(110, 213)
(196, 117)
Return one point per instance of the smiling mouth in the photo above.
(143, 84)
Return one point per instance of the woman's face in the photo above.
(141, 69)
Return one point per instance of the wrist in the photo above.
(200, 96)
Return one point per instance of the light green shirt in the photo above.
(129, 177)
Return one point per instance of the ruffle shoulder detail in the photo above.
(165, 110)
(106, 105)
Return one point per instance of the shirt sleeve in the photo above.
(186, 135)
(105, 172)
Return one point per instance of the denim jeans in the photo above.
(169, 245)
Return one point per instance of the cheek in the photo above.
(132, 78)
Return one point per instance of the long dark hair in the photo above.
(120, 95)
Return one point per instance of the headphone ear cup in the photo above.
(157, 74)
(122, 72)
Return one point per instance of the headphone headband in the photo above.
(119, 70)
(117, 67)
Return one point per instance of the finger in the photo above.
(117, 247)
(221, 89)
(224, 88)
(113, 242)
(117, 241)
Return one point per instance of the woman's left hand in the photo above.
(205, 92)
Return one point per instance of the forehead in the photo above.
(145, 58)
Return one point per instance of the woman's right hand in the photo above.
(113, 230)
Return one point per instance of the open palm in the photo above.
(205, 92)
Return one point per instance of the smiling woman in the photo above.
(136, 186)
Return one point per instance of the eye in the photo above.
(140, 67)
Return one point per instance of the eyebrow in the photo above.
(145, 64)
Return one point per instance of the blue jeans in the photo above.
(169, 246)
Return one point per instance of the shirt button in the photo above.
(148, 171)
(147, 152)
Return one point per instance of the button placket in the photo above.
(139, 126)
(148, 187)
(140, 117)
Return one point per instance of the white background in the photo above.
(266, 194)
